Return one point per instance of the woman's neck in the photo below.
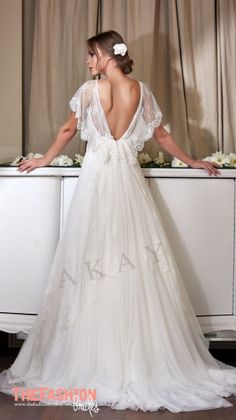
(114, 74)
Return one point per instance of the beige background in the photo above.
(183, 49)
(10, 79)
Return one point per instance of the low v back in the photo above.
(132, 118)
(93, 123)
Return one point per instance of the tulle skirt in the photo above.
(115, 316)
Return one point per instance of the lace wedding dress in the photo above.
(115, 315)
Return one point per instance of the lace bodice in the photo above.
(95, 129)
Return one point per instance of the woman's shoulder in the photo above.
(126, 82)
(132, 83)
(135, 83)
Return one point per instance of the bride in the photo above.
(115, 315)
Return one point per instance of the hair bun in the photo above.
(106, 41)
(124, 63)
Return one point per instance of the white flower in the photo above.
(20, 158)
(17, 160)
(218, 157)
(62, 160)
(144, 158)
(120, 49)
(37, 155)
(30, 155)
(78, 158)
(33, 155)
(232, 158)
(178, 163)
(160, 159)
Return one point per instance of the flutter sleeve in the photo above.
(79, 104)
(151, 114)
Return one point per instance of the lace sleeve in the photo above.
(152, 114)
(79, 104)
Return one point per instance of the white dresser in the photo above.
(198, 213)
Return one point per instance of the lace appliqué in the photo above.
(80, 104)
(92, 121)
(151, 126)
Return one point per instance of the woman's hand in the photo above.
(210, 167)
(29, 164)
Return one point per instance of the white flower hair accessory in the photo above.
(120, 49)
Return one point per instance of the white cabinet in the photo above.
(198, 214)
(29, 221)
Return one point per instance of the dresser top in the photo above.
(148, 172)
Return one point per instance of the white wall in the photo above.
(10, 79)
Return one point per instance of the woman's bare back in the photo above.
(119, 101)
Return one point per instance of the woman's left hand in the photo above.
(210, 167)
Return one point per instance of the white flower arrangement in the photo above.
(19, 158)
(62, 160)
(78, 159)
(160, 159)
(222, 159)
(35, 155)
(177, 163)
(232, 160)
(145, 160)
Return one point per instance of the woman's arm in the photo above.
(167, 142)
(64, 135)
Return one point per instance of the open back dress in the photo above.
(115, 315)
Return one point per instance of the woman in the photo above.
(115, 316)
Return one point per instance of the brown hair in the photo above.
(106, 41)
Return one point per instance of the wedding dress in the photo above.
(115, 315)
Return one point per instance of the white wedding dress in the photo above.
(115, 315)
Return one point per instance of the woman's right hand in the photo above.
(29, 165)
(210, 167)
